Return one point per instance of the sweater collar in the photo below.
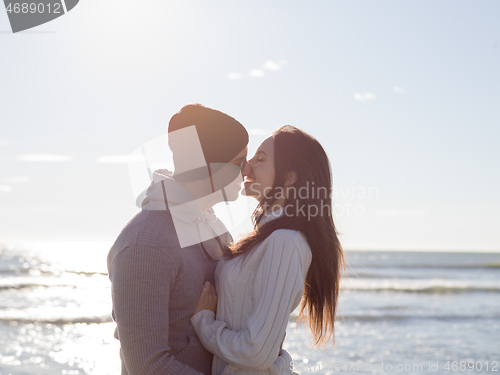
(164, 190)
(191, 225)
(271, 216)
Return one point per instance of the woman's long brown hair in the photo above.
(295, 150)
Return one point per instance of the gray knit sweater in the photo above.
(156, 284)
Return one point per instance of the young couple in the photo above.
(187, 299)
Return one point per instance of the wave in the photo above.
(18, 271)
(427, 265)
(60, 321)
(436, 289)
(21, 286)
(15, 271)
(482, 265)
(394, 307)
(394, 317)
(366, 275)
(368, 318)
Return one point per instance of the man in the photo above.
(166, 252)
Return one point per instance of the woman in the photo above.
(293, 254)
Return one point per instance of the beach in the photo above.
(406, 312)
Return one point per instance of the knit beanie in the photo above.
(221, 137)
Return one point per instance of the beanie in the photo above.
(221, 136)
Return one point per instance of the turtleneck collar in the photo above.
(181, 203)
(192, 226)
(271, 216)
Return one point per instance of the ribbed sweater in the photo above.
(155, 285)
(256, 294)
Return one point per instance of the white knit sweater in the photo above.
(256, 294)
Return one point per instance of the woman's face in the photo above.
(258, 173)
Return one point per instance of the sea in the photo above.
(399, 312)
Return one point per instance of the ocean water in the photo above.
(399, 312)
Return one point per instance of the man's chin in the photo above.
(232, 197)
(233, 194)
(247, 191)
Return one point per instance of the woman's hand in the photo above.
(207, 299)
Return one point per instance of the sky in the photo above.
(404, 97)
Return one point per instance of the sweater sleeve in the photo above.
(141, 280)
(279, 281)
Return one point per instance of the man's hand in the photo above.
(207, 299)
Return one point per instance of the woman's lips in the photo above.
(248, 180)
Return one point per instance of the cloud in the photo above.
(364, 96)
(401, 213)
(398, 89)
(120, 159)
(234, 75)
(258, 132)
(17, 179)
(256, 73)
(273, 65)
(5, 189)
(3, 142)
(45, 158)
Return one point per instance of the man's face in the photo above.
(232, 189)
(240, 159)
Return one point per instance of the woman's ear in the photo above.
(291, 177)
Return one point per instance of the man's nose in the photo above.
(246, 169)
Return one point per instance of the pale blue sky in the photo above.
(107, 77)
